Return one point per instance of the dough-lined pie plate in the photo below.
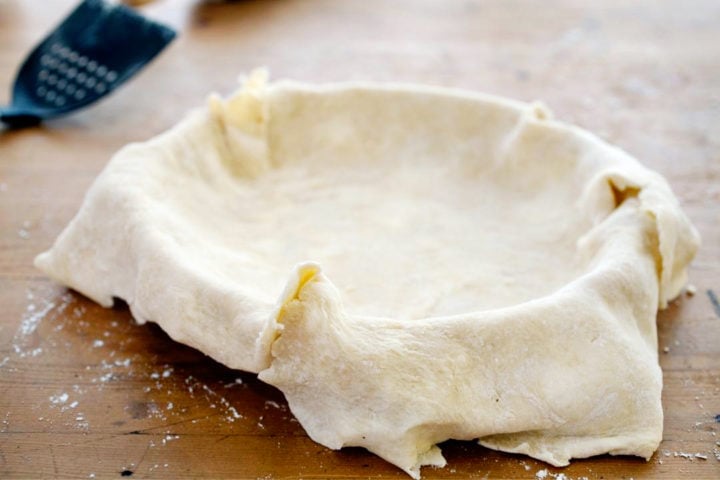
(407, 264)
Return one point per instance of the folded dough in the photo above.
(461, 265)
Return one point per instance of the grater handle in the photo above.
(16, 118)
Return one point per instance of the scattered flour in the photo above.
(34, 314)
(544, 473)
(231, 414)
(59, 399)
(691, 456)
(238, 381)
(46, 305)
(6, 422)
(271, 403)
(169, 438)
(122, 363)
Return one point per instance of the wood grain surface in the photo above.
(86, 393)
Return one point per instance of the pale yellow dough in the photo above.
(448, 265)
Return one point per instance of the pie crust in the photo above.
(408, 264)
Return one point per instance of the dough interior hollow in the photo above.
(407, 264)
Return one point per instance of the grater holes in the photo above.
(49, 61)
(51, 96)
(68, 54)
(66, 76)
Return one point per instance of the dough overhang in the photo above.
(462, 265)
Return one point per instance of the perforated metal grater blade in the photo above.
(93, 51)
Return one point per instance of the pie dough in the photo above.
(460, 265)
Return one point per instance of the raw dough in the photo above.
(461, 266)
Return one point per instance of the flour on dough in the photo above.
(407, 264)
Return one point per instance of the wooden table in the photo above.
(84, 392)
